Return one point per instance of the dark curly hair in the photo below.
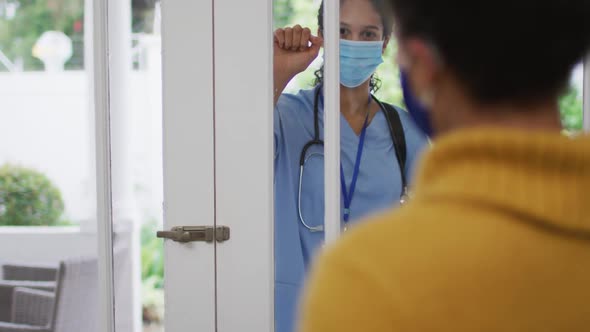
(502, 50)
(383, 8)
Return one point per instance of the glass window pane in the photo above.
(370, 101)
(47, 175)
(136, 144)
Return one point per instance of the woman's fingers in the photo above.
(316, 43)
(288, 38)
(280, 37)
(297, 33)
(305, 39)
(297, 39)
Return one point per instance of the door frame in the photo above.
(104, 209)
(332, 198)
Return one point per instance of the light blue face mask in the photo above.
(358, 61)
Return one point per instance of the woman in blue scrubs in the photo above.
(371, 174)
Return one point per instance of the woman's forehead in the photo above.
(360, 13)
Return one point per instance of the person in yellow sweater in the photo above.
(497, 234)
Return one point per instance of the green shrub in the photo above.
(152, 255)
(152, 273)
(28, 198)
(572, 115)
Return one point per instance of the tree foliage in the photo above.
(28, 198)
(19, 32)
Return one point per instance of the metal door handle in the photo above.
(184, 234)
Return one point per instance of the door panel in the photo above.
(188, 161)
(244, 164)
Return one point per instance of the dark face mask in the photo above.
(417, 110)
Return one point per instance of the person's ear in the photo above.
(419, 60)
(385, 43)
(320, 34)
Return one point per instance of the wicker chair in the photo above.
(72, 307)
(15, 280)
(54, 299)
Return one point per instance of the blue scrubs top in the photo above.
(378, 187)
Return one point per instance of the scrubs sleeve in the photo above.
(286, 104)
(277, 126)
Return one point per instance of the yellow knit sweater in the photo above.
(497, 238)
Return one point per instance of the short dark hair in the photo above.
(502, 50)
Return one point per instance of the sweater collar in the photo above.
(542, 176)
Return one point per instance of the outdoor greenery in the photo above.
(23, 21)
(571, 110)
(28, 198)
(152, 272)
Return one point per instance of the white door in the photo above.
(218, 149)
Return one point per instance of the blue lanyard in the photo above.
(348, 194)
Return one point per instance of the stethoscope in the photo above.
(316, 141)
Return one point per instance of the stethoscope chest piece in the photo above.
(405, 197)
(403, 200)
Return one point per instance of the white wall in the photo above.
(45, 244)
(45, 123)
